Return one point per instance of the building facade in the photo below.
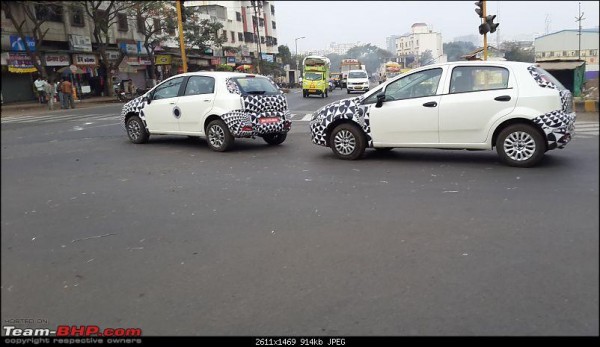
(418, 41)
(342, 48)
(564, 45)
(69, 42)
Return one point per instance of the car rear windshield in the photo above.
(546, 76)
(357, 75)
(256, 85)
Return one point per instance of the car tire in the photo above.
(136, 131)
(326, 94)
(348, 90)
(275, 139)
(347, 142)
(323, 95)
(218, 136)
(520, 145)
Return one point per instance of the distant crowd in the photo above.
(49, 92)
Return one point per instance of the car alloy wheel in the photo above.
(519, 146)
(218, 136)
(136, 131)
(344, 142)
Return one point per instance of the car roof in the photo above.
(479, 63)
(219, 73)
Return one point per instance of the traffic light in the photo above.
(479, 10)
(484, 28)
(489, 21)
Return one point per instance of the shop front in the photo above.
(87, 81)
(163, 66)
(18, 74)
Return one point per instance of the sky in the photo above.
(323, 22)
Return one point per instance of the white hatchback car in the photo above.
(516, 107)
(219, 106)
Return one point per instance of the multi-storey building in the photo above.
(342, 48)
(418, 41)
(564, 45)
(390, 43)
(70, 42)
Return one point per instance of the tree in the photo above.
(426, 58)
(224, 67)
(285, 55)
(201, 34)
(37, 13)
(454, 50)
(103, 15)
(371, 56)
(157, 30)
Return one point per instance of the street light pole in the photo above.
(296, 39)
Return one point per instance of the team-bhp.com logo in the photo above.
(72, 330)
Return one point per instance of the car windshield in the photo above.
(256, 85)
(357, 74)
(313, 76)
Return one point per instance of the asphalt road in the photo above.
(175, 239)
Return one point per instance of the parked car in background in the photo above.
(518, 108)
(219, 106)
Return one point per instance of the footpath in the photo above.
(34, 107)
(586, 111)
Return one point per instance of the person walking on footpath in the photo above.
(50, 90)
(39, 86)
(67, 89)
(60, 94)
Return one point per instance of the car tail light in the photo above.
(247, 128)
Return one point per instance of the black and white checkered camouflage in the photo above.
(350, 109)
(134, 106)
(254, 108)
(558, 125)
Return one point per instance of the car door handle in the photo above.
(502, 98)
(171, 103)
(430, 104)
(206, 100)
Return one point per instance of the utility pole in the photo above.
(579, 19)
(180, 26)
(257, 30)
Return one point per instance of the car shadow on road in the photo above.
(240, 145)
(447, 157)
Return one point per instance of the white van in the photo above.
(358, 80)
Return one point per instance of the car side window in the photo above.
(416, 85)
(477, 78)
(197, 85)
(169, 89)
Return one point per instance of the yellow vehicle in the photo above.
(315, 78)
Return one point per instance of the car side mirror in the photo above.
(147, 99)
(380, 99)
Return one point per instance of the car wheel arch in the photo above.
(210, 119)
(514, 121)
(337, 122)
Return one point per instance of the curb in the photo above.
(586, 106)
(7, 111)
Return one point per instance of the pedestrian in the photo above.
(39, 86)
(131, 88)
(60, 94)
(67, 89)
(50, 90)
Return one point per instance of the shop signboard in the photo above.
(57, 59)
(129, 48)
(17, 45)
(267, 57)
(85, 59)
(144, 61)
(20, 63)
(163, 59)
(80, 43)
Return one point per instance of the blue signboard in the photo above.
(267, 57)
(16, 43)
(231, 59)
